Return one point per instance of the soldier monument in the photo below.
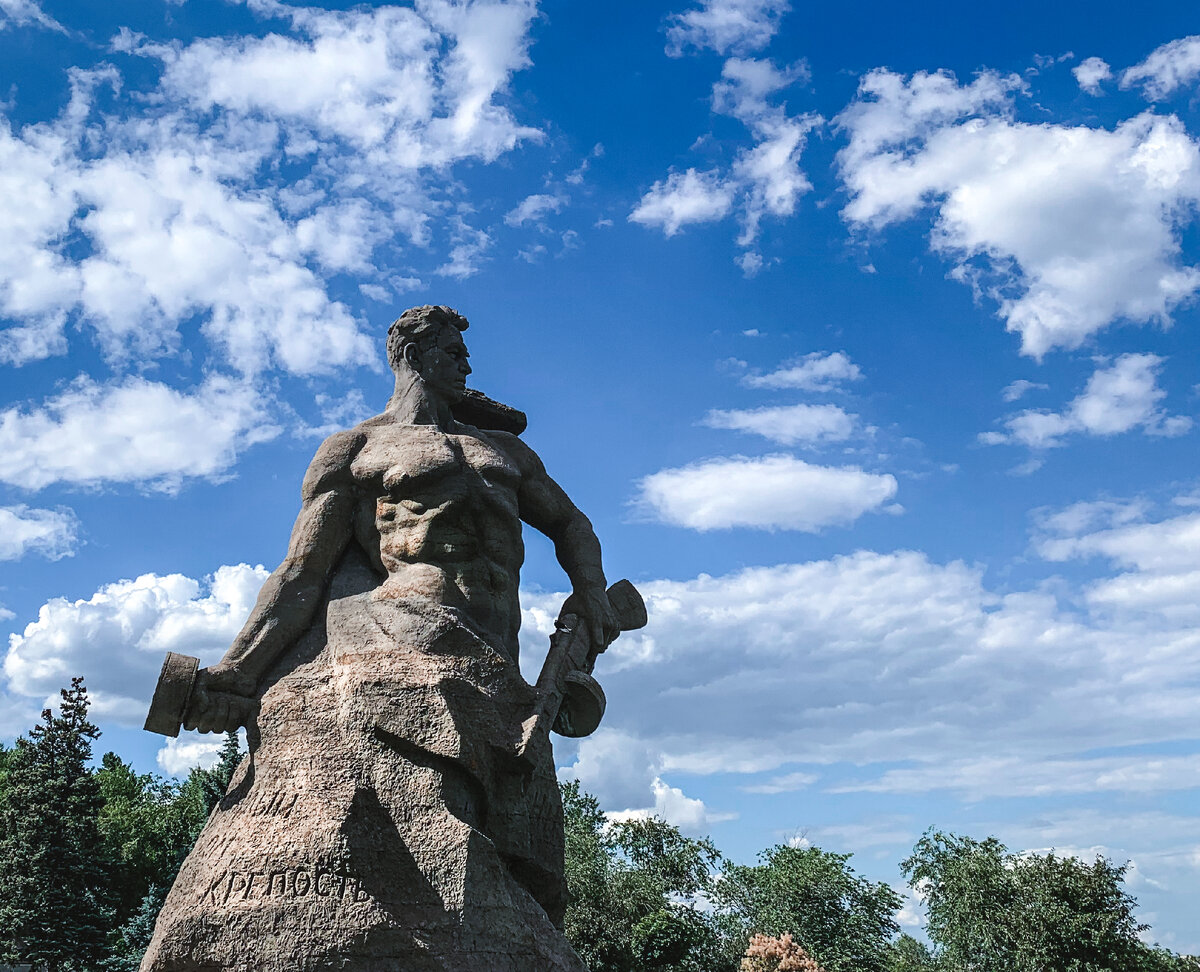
(398, 810)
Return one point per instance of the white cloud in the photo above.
(788, 783)
(22, 13)
(159, 194)
(532, 209)
(466, 252)
(117, 637)
(131, 431)
(819, 371)
(1090, 73)
(179, 756)
(51, 533)
(726, 26)
(675, 807)
(1120, 397)
(768, 493)
(787, 424)
(683, 198)
(1090, 515)
(1018, 388)
(365, 109)
(1172, 66)
(1013, 776)
(1067, 228)
(1169, 546)
(376, 77)
(763, 179)
(616, 768)
(899, 664)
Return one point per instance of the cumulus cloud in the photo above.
(532, 209)
(132, 431)
(364, 109)
(764, 179)
(118, 636)
(683, 198)
(1067, 228)
(819, 371)
(23, 13)
(725, 26)
(675, 807)
(916, 671)
(179, 756)
(50, 533)
(1168, 68)
(787, 424)
(1118, 398)
(777, 492)
(1090, 73)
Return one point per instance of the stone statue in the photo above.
(398, 811)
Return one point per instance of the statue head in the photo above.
(427, 341)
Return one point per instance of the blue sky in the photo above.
(865, 334)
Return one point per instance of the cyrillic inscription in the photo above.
(301, 882)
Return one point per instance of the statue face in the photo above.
(444, 367)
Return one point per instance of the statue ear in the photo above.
(412, 356)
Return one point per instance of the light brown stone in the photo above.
(398, 809)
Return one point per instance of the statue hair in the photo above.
(420, 326)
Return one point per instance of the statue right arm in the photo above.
(290, 596)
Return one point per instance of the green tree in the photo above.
(54, 911)
(909, 955)
(992, 911)
(150, 825)
(633, 888)
(840, 918)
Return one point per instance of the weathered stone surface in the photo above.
(398, 809)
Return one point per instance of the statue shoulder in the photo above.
(516, 448)
(330, 465)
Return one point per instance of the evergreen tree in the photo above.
(54, 912)
(151, 825)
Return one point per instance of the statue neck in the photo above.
(413, 403)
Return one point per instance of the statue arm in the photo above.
(545, 506)
(290, 596)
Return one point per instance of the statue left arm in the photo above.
(545, 506)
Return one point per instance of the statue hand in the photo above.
(221, 700)
(591, 606)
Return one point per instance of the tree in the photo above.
(842, 920)
(54, 911)
(910, 955)
(632, 889)
(150, 825)
(990, 910)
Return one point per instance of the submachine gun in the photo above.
(570, 700)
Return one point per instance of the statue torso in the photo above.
(438, 515)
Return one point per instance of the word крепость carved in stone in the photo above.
(398, 810)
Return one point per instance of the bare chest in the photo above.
(417, 460)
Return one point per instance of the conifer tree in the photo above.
(53, 881)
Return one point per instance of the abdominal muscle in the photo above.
(464, 554)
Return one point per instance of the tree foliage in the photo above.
(840, 918)
(54, 874)
(632, 889)
(993, 911)
(87, 854)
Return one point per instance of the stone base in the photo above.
(348, 842)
